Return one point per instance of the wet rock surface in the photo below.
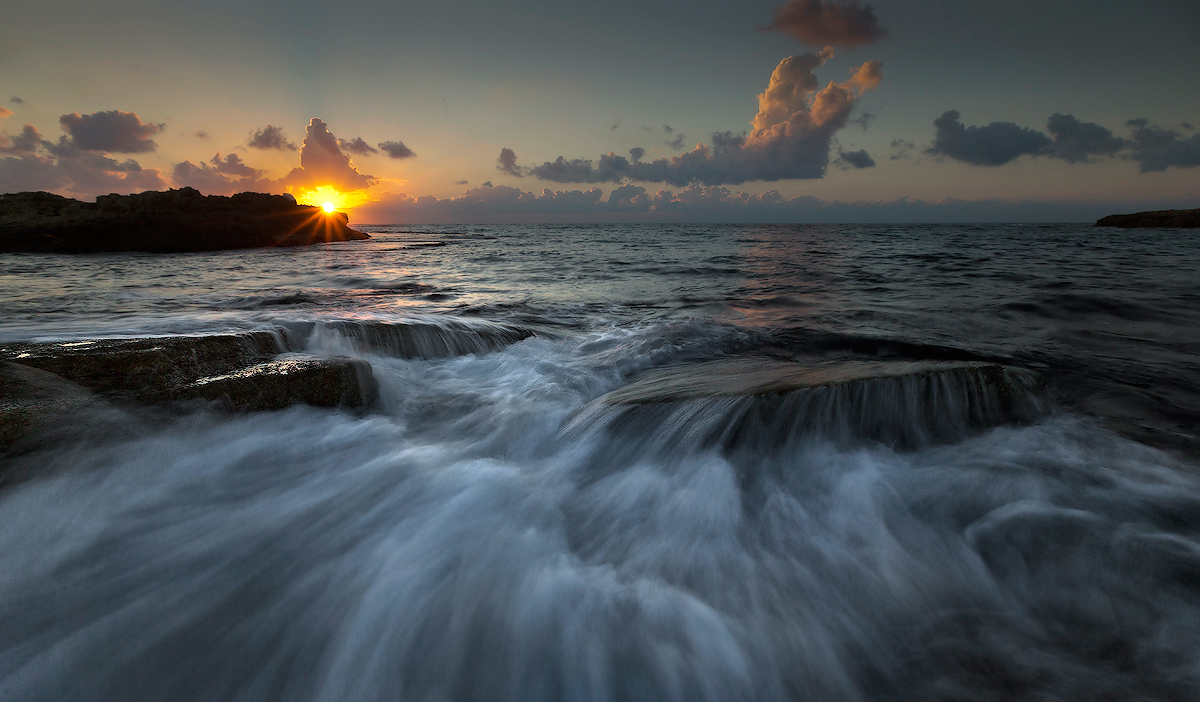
(340, 382)
(755, 403)
(39, 409)
(1157, 218)
(242, 371)
(180, 220)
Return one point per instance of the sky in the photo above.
(457, 111)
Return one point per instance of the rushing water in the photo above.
(486, 531)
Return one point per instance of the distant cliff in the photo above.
(1159, 218)
(163, 222)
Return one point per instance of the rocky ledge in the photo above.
(45, 387)
(174, 221)
(1158, 218)
(761, 402)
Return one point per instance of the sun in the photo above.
(329, 207)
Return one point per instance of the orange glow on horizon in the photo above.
(329, 199)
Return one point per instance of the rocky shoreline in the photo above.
(1169, 219)
(174, 221)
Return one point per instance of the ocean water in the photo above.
(486, 531)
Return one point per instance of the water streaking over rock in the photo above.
(671, 463)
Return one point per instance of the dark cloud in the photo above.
(992, 145)
(357, 146)
(791, 136)
(1157, 149)
(507, 162)
(636, 154)
(902, 149)
(323, 163)
(677, 142)
(1078, 142)
(28, 141)
(856, 159)
(219, 176)
(112, 131)
(270, 138)
(34, 163)
(396, 149)
(16, 100)
(821, 23)
(667, 129)
(201, 134)
(1074, 141)
(460, 182)
(865, 119)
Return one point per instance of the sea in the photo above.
(468, 537)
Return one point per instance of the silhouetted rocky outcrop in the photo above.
(164, 222)
(1158, 218)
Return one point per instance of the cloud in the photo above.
(902, 149)
(821, 23)
(270, 138)
(507, 162)
(992, 145)
(460, 182)
(323, 163)
(112, 131)
(697, 203)
(636, 154)
(1078, 142)
(667, 129)
(27, 142)
(5, 112)
(677, 142)
(219, 176)
(16, 100)
(357, 146)
(201, 134)
(1156, 148)
(1074, 141)
(791, 136)
(856, 159)
(34, 163)
(396, 149)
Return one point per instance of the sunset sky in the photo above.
(742, 111)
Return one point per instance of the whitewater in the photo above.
(490, 528)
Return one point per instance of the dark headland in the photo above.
(1157, 218)
(164, 222)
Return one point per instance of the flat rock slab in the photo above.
(147, 369)
(323, 382)
(761, 403)
(243, 371)
(745, 376)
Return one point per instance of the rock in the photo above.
(1158, 218)
(241, 370)
(414, 338)
(40, 409)
(762, 403)
(163, 222)
(149, 369)
(323, 382)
